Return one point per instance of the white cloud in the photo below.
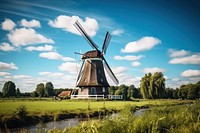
(55, 56)
(192, 59)
(153, 70)
(176, 79)
(7, 66)
(26, 36)
(7, 78)
(66, 23)
(176, 83)
(135, 63)
(177, 53)
(27, 83)
(70, 67)
(4, 74)
(128, 57)
(123, 77)
(119, 69)
(52, 74)
(40, 48)
(117, 32)
(191, 73)
(21, 76)
(166, 78)
(129, 79)
(194, 79)
(183, 57)
(146, 43)
(7, 47)
(8, 24)
(30, 24)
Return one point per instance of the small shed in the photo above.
(65, 94)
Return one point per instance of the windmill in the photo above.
(91, 78)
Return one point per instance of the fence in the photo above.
(87, 97)
(115, 97)
(111, 97)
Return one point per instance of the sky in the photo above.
(38, 40)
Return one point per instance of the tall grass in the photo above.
(165, 119)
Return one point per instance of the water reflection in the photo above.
(44, 127)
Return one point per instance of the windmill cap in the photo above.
(92, 54)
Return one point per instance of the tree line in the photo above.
(152, 86)
(41, 90)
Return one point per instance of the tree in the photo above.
(49, 89)
(118, 92)
(169, 93)
(158, 86)
(153, 86)
(1, 94)
(18, 93)
(175, 93)
(136, 93)
(124, 90)
(144, 86)
(40, 89)
(193, 91)
(9, 89)
(130, 91)
(112, 90)
(34, 94)
(189, 91)
(183, 91)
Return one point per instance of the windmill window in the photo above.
(93, 91)
(103, 89)
(101, 80)
(99, 71)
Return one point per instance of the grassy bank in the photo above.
(48, 110)
(165, 119)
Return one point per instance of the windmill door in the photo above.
(93, 91)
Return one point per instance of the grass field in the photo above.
(20, 112)
(7, 107)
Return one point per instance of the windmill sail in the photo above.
(80, 72)
(85, 35)
(110, 73)
(106, 42)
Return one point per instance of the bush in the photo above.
(21, 112)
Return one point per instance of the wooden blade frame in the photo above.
(85, 35)
(110, 73)
(106, 42)
(80, 72)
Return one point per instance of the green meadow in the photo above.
(50, 106)
(17, 113)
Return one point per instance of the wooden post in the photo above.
(104, 106)
(88, 103)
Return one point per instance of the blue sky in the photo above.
(38, 40)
